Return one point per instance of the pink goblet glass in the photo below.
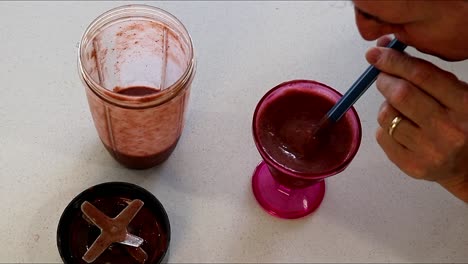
(288, 183)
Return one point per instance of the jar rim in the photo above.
(126, 101)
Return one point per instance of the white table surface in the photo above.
(50, 151)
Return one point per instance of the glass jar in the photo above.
(137, 64)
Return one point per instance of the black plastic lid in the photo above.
(75, 234)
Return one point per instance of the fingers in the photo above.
(396, 153)
(405, 133)
(426, 154)
(409, 100)
(422, 74)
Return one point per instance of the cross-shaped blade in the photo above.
(113, 230)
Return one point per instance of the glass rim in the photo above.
(126, 101)
(306, 175)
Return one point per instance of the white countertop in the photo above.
(50, 151)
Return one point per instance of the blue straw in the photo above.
(359, 87)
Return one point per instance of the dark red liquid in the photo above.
(145, 225)
(142, 162)
(136, 90)
(285, 126)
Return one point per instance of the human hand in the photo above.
(431, 140)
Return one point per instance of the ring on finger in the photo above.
(394, 124)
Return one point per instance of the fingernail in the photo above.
(373, 55)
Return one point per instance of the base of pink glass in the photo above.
(284, 202)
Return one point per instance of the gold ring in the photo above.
(395, 123)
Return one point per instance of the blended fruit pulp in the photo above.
(136, 90)
(140, 162)
(285, 125)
